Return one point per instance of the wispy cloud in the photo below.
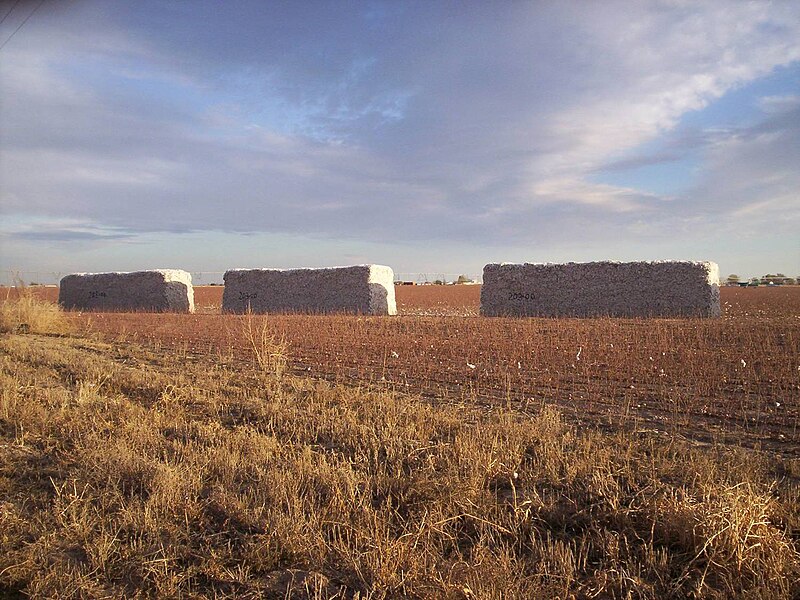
(751, 176)
(23, 227)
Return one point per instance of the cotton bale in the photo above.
(361, 289)
(163, 290)
(618, 289)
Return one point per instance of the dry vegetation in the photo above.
(23, 311)
(712, 379)
(189, 461)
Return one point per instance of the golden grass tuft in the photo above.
(270, 351)
(25, 312)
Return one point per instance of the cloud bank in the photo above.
(413, 122)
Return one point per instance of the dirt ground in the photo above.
(735, 378)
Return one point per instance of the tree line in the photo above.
(768, 279)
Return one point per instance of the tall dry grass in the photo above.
(130, 472)
(269, 350)
(27, 312)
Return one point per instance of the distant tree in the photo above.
(438, 282)
(754, 282)
(463, 279)
(733, 279)
(773, 279)
(790, 281)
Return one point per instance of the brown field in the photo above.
(711, 379)
(430, 455)
(707, 378)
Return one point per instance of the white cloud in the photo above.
(612, 198)
(658, 66)
(60, 229)
(779, 104)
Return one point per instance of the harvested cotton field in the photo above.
(711, 374)
(369, 447)
(436, 430)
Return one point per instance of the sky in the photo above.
(434, 137)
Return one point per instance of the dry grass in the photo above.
(130, 472)
(269, 350)
(25, 311)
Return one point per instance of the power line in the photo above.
(10, 10)
(21, 24)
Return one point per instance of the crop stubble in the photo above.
(738, 376)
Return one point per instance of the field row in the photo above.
(741, 372)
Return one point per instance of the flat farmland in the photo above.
(732, 378)
(429, 455)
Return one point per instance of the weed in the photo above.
(270, 351)
(26, 312)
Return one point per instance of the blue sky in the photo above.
(430, 136)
